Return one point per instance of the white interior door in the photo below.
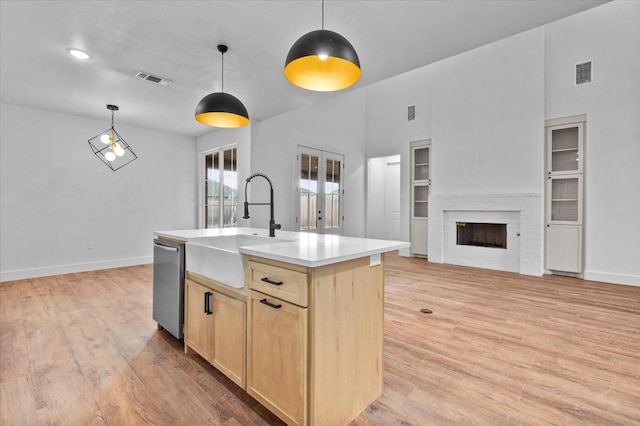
(392, 201)
(319, 191)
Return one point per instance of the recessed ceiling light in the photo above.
(77, 53)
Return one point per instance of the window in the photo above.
(221, 188)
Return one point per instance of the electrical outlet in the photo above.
(90, 245)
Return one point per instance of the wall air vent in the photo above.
(152, 78)
(411, 113)
(583, 73)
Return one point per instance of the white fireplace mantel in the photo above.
(523, 211)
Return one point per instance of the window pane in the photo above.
(564, 149)
(421, 168)
(212, 191)
(564, 199)
(230, 182)
(308, 192)
(420, 201)
(332, 194)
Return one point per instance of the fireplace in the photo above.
(523, 214)
(493, 235)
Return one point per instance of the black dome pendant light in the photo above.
(221, 109)
(323, 61)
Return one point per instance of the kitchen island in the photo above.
(303, 333)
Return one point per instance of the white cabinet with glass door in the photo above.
(564, 194)
(319, 191)
(420, 189)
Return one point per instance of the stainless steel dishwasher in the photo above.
(168, 286)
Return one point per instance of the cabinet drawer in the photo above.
(284, 284)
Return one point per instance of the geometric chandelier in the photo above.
(111, 148)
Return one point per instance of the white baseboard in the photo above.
(22, 274)
(608, 277)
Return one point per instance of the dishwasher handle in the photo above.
(163, 247)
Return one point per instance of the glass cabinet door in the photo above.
(420, 201)
(421, 164)
(565, 194)
(565, 149)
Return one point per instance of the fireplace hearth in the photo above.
(491, 235)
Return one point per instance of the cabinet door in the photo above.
(421, 159)
(564, 248)
(198, 318)
(229, 337)
(421, 201)
(419, 230)
(277, 361)
(564, 199)
(564, 148)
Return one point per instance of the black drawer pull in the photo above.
(268, 281)
(265, 302)
(207, 303)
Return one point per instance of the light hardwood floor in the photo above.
(499, 348)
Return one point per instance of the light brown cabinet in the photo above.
(215, 326)
(198, 319)
(309, 339)
(315, 338)
(277, 363)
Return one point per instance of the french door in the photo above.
(319, 191)
(220, 188)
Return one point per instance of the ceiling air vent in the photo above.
(583, 73)
(411, 113)
(152, 78)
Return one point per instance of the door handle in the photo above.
(268, 281)
(266, 302)
(173, 249)
(207, 303)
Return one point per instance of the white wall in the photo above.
(388, 132)
(610, 36)
(486, 104)
(56, 196)
(488, 119)
(485, 109)
(488, 133)
(336, 126)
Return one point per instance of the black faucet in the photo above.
(272, 223)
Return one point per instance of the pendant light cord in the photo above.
(112, 119)
(222, 72)
(323, 14)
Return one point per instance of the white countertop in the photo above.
(301, 248)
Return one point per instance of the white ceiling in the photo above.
(177, 40)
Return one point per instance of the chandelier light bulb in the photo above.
(105, 139)
(323, 56)
(118, 150)
(110, 156)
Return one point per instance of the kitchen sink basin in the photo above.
(219, 259)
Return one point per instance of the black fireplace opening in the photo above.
(493, 235)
